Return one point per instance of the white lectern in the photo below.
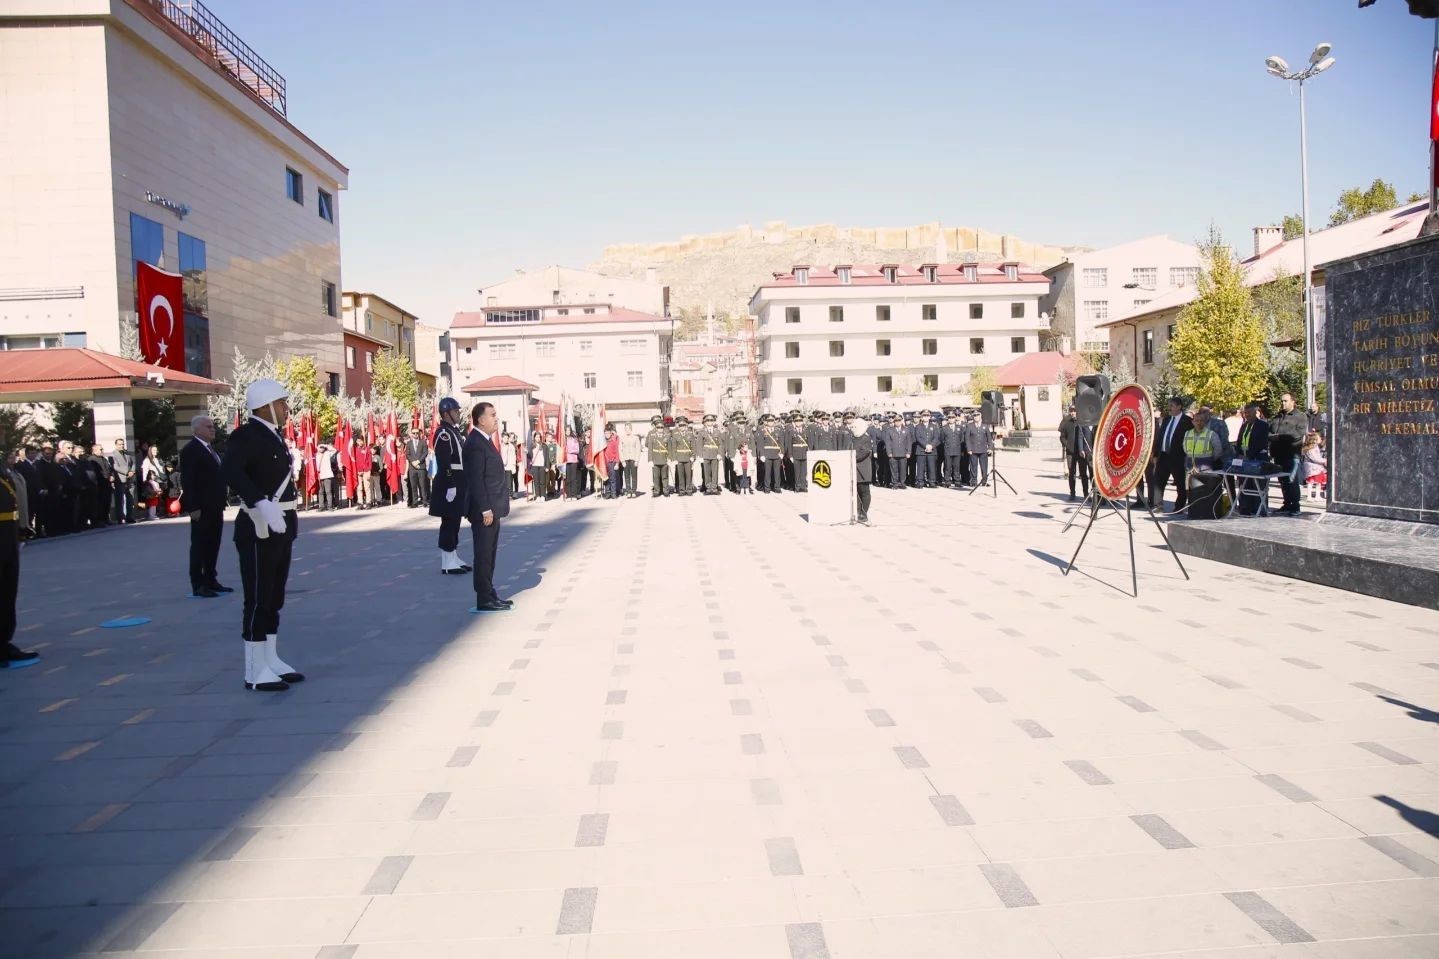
(831, 487)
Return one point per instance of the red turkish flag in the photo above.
(160, 305)
(1434, 104)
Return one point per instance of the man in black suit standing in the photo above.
(202, 498)
(1169, 457)
(417, 476)
(489, 502)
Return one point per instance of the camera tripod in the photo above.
(994, 474)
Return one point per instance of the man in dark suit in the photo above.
(1169, 457)
(202, 498)
(417, 476)
(863, 469)
(488, 503)
(1253, 450)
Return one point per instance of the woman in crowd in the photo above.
(507, 456)
(538, 476)
(153, 479)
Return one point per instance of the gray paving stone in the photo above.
(806, 940)
(1007, 885)
(1384, 752)
(430, 807)
(1268, 918)
(911, 758)
(1286, 788)
(1402, 854)
(577, 911)
(751, 744)
(951, 811)
(1088, 772)
(593, 829)
(783, 857)
(1161, 831)
(387, 875)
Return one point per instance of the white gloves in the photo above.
(450, 495)
(271, 513)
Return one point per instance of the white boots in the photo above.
(265, 671)
(451, 564)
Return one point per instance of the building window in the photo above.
(369, 361)
(794, 387)
(1096, 310)
(1145, 277)
(554, 296)
(294, 186)
(589, 310)
(632, 347)
(801, 275)
(836, 347)
(971, 272)
(976, 311)
(976, 344)
(327, 206)
(1183, 275)
(931, 274)
(791, 350)
(1148, 346)
(590, 380)
(881, 347)
(1139, 303)
(836, 314)
(1016, 311)
(502, 351)
(1016, 344)
(545, 349)
(836, 384)
(1169, 333)
(1094, 276)
(1011, 271)
(147, 242)
(197, 305)
(931, 382)
(929, 311)
(881, 313)
(929, 347)
(327, 298)
(512, 316)
(891, 274)
(349, 357)
(587, 347)
(791, 314)
(635, 378)
(843, 274)
(33, 342)
(1043, 394)
(884, 383)
(334, 383)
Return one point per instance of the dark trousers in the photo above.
(770, 477)
(881, 465)
(9, 589)
(729, 482)
(418, 492)
(264, 570)
(1288, 483)
(328, 499)
(206, 525)
(924, 470)
(614, 478)
(449, 532)
(487, 543)
(709, 474)
(979, 468)
(659, 478)
(861, 495)
(572, 480)
(124, 494)
(951, 468)
(632, 477)
(801, 475)
(1080, 465)
(684, 477)
(1166, 469)
(896, 472)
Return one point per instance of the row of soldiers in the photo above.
(923, 450)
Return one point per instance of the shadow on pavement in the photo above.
(1415, 712)
(1420, 819)
(130, 756)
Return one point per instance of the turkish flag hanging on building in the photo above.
(1434, 102)
(160, 305)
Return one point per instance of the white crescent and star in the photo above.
(160, 302)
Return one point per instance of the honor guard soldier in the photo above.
(657, 444)
(711, 445)
(449, 491)
(256, 466)
(896, 444)
(926, 438)
(844, 436)
(799, 452)
(976, 442)
(682, 454)
(731, 438)
(952, 438)
(770, 451)
(14, 517)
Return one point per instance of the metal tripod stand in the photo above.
(1124, 513)
(994, 472)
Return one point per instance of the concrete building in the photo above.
(864, 334)
(1095, 286)
(142, 130)
(595, 353)
(511, 398)
(360, 353)
(1139, 340)
(375, 316)
(428, 356)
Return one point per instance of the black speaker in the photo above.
(1091, 396)
(991, 410)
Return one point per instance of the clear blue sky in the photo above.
(485, 136)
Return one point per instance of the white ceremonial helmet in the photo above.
(264, 392)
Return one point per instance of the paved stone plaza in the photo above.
(710, 730)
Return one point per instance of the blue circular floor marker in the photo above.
(124, 621)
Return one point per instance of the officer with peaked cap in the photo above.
(657, 444)
(449, 491)
(711, 445)
(256, 466)
(798, 450)
(682, 454)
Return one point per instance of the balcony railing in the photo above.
(230, 53)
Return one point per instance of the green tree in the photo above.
(981, 379)
(1354, 202)
(17, 422)
(1219, 349)
(74, 421)
(1292, 226)
(155, 425)
(307, 392)
(394, 383)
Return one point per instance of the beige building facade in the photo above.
(133, 132)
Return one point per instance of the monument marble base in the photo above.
(1032, 440)
(1393, 560)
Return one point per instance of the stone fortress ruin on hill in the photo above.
(723, 269)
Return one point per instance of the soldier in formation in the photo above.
(657, 445)
(682, 455)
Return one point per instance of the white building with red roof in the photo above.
(583, 339)
(857, 334)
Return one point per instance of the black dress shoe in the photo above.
(293, 677)
(268, 687)
(507, 603)
(465, 568)
(216, 587)
(491, 607)
(205, 593)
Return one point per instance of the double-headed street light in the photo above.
(1319, 61)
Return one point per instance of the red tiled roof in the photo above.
(1039, 369)
(499, 384)
(616, 315)
(871, 274)
(71, 370)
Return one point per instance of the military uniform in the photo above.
(712, 445)
(896, 443)
(798, 452)
(976, 440)
(926, 438)
(14, 516)
(770, 450)
(952, 437)
(682, 454)
(449, 492)
(657, 444)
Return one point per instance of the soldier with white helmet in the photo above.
(256, 466)
(449, 491)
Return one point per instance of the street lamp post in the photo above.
(1319, 61)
